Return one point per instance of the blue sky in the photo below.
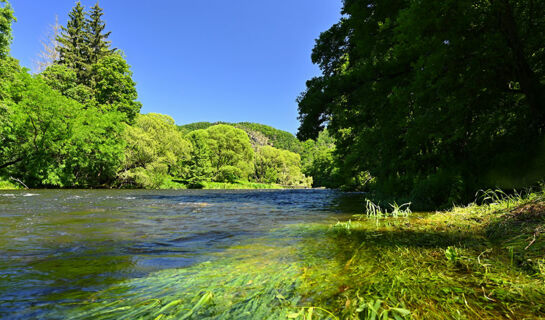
(215, 60)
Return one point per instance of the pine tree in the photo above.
(74, 51)
(99, 46)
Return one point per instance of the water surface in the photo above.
(60, 247)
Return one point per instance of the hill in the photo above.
(259, 134)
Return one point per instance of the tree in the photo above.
(155, 151)
(434, 98)
(64, 80)
(6, 20)
(113, 86)
(318, 161)
(99, 46)
(198, 168)
(51, 140)
(230, 146)
(273, 165)
(75, 50)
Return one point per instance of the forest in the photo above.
(406, 108)
(77, 124)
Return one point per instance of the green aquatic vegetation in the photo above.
(373, 210)
(452, 254)
(257, 281)
(342, 227)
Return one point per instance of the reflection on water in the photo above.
(59, 247)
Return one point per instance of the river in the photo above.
(61, 251)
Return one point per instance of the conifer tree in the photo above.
(74, 51)
(99, 45)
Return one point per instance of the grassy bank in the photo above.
(474, 262)
(241, 185)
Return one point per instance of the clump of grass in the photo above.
(403, 210)
(373, 210)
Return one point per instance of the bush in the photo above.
(229, 174)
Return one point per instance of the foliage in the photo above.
(229, 174)
(229, 146)
(155, 150)
(74, 50)
(113, 86)
(432, 112)
(318, 161)
(54, 141)
(260, 134)
(88, 70)
(77, 124)
(277, 138)
(187, 128)
(6, 19)
(8, 185)
(239, 185)
(198, 168)
(99, 46)
(64, 80)
(279, 166)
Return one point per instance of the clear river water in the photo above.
(105, 253)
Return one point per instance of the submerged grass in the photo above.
(476, 262)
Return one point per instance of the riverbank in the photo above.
(474, 262)
(173, 185)
(210, 185)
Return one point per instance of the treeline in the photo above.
(78, 124)
(158, 153)
(316, 155)
(429, 101)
